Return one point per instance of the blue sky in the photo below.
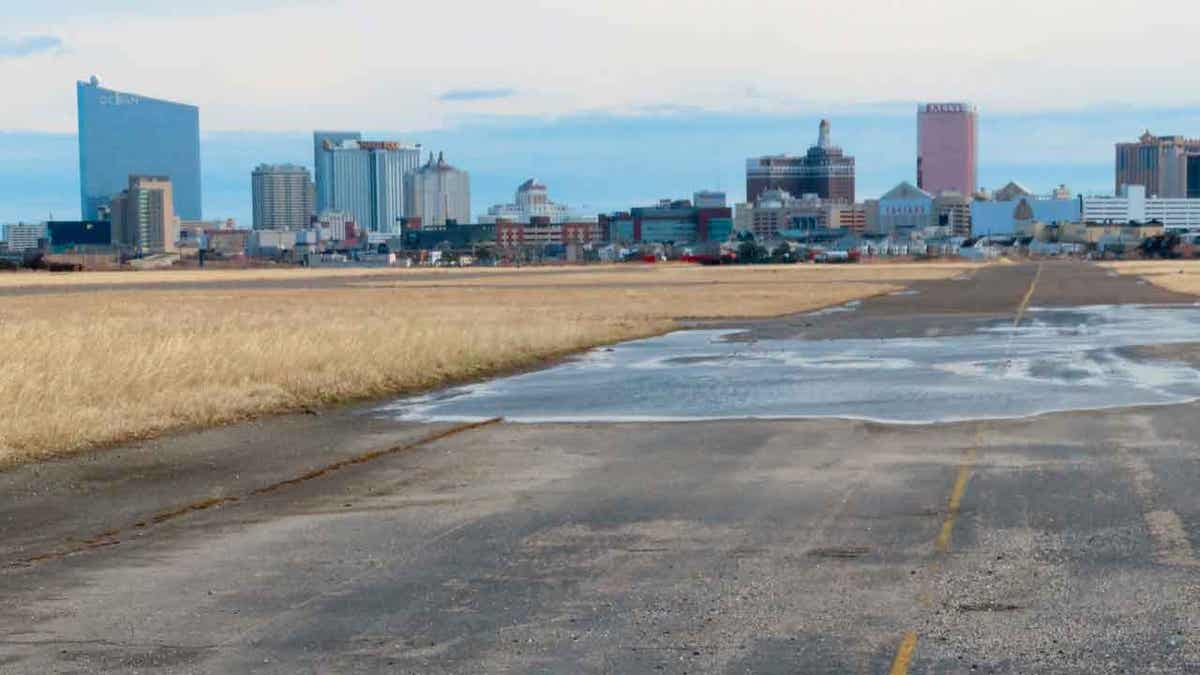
(611, 103)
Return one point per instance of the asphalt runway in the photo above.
(356, 542)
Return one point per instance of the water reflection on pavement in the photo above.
(1059, 359)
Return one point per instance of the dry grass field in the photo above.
(106, 365)
(1181, 276)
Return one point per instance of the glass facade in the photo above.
(720, 229)
(1193, 177)
(323, 165)
(674, 231)
(124, 134)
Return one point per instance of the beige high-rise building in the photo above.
(1168, 166)
(282, 197)
(438, 192)
(143, 216)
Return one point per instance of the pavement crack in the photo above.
(110, 537)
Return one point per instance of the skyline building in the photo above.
(366, 181)
(824, 171)
(531, 200)
(678, 222)
(123, 135)
(904, 209)
(1014, 203)
(948, 148)
(143, 215)
(1132, 204)
(778, 211)
(282, 197)
(437, 192)
(323, 166)
(1167, 166)
(22, 236)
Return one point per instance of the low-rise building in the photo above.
(677, 222)
(1132, 205)
(24, 236)
(270, 243)
(1013, 204)
(952, 212)
(904, 209)
(336, 226)
(227, 243)
(540, 232)
(452, 235)
(79, 234)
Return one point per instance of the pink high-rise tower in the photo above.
(947, 148)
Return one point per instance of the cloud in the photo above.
(16, 48)
(476, 94)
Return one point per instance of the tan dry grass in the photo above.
(1181, 276)
(866, 272)
(101, 367)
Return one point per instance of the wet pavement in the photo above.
(1056, 360)
(1062, 543)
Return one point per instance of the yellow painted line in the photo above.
(956, 494)
(1028, 296)
(904, 654)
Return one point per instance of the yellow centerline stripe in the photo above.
(942, 545)
(908, 646)
(904, 655)
(1028, 296)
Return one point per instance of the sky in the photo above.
(612, 104)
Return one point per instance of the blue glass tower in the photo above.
(124, 134)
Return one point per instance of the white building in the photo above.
(438, 192)
(334, 225)
(531, 201)
(367, 181)
(23, 236)
(282, 197)
(1132, 205)
(777, 211)
(269, 243)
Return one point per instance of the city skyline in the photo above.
(598, 163)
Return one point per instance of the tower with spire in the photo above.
(824, 171)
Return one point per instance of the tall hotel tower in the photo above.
(365, 179)
(123, 135)
(948, 148)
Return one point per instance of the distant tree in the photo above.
(782, 254)
(749, 252)
(1160, 246)
(485, 253)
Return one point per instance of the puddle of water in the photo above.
(851, 306)
(1060, 359)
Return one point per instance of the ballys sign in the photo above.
(945, 108)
